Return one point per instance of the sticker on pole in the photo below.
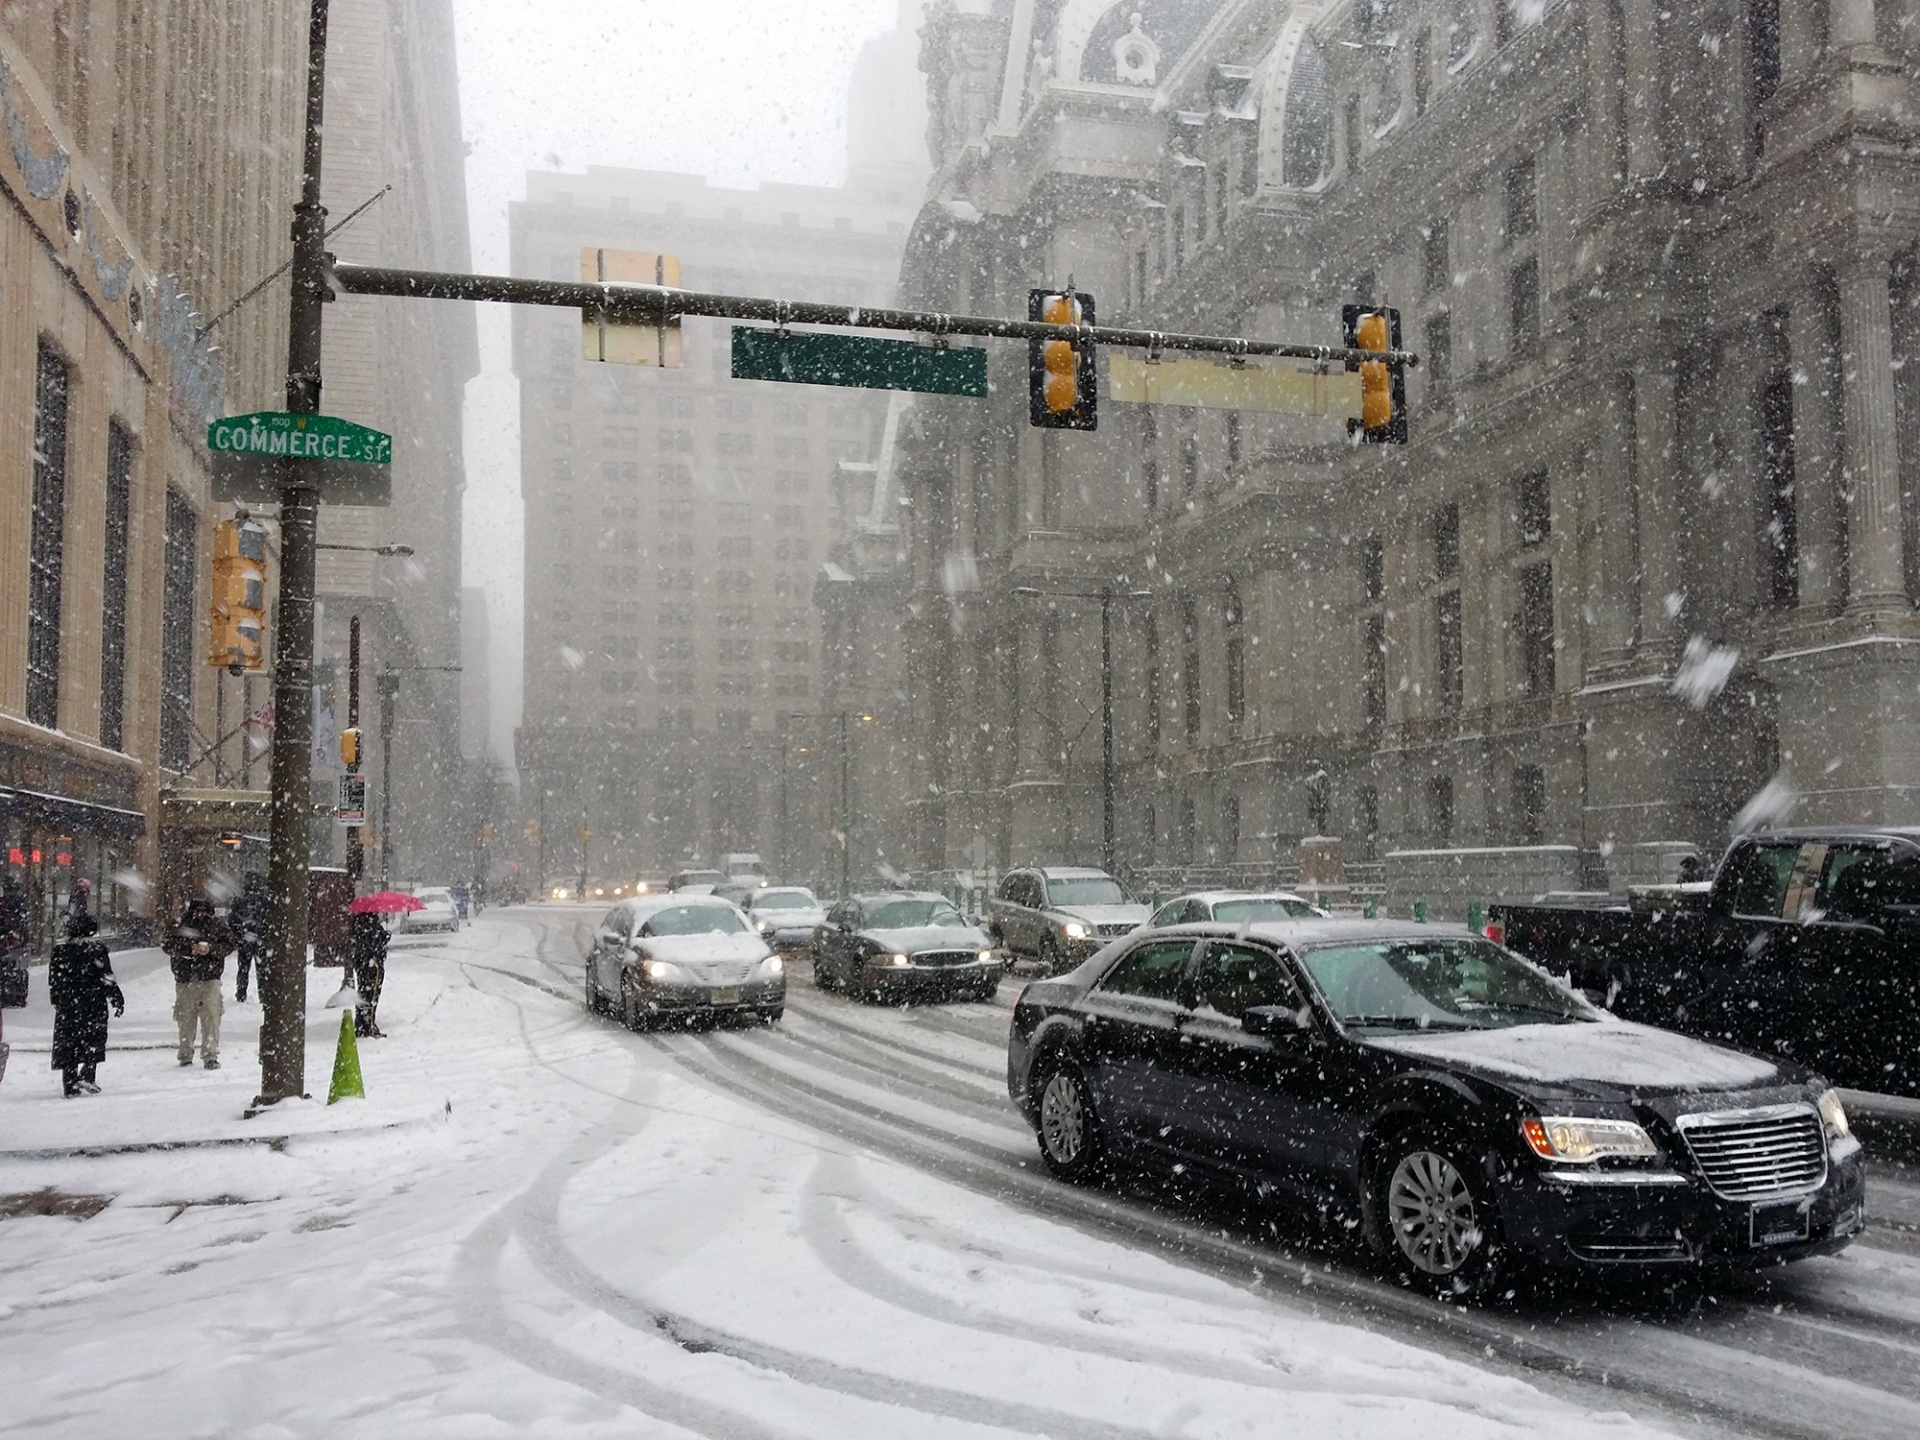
(254, 455)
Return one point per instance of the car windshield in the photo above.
(910, 914)
(785, 900)
(1087, 890)
(1271, 907)
(1438, 984)
(694, 920)
(700, 877)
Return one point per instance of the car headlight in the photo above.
(765, 927)
(660, 970)
(1578, 1140)
(900, 960)
(986, 957)
(1833, 1115)
(1074, 930)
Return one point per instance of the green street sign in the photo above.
(349, 463)
(310, 437)
(858, 361)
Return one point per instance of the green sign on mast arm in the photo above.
(350, 463)
(859, 361)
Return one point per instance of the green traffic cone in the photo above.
(346, 1065)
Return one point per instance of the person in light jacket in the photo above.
(198, 947)
(80, 984)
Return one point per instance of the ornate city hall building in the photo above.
(1650, 550)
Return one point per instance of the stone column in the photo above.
(1816, 429)
(1644, 93)
(1612, 558)
(1871, 479)
(1849, 23)
(1656, 443)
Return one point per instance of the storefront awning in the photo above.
(63, 813)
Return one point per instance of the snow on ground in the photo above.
(590, 1242)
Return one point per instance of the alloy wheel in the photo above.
(1063, 1118)
(1431, 1213)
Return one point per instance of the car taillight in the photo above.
(1496, 931)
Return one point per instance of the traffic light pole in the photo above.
(356, 850)
(283, 989)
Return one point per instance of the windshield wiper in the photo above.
(1403, 1022)
(1514, 1005)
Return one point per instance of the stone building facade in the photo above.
(1652, 544)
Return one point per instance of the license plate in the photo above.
(729, 996)
(1778, 1224)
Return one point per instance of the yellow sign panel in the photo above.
(626, 342)
(1200, 383)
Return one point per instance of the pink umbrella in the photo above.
(385, 902)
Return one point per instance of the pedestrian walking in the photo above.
(369, 950)
(248, 920)
(79, 898)
(198, 948)
(81, 985)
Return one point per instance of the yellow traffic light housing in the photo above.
(1383, 387)
(239, 612)
(1061, 372)
(350, 747)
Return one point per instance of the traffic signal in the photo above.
(1060, 372)
(350, 747)
(1383, 387)
(239, 596)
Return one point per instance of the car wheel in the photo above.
(770, 1016)
(632, 1014)
(1439, 1230)
(596, 1003)
(823, 977)
(1073, 1141)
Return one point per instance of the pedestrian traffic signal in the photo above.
(239, 596)
(1383, 387)
(1061, 372)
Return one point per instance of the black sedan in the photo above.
(1479, 1116)
(904, 943)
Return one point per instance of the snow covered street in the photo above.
(835, 1228)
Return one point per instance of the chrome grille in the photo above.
(945, 957)
(1745, 1154)
(1109, 932)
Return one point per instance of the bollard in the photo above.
(1476, 917)
(1420, 911)
(1370, 908)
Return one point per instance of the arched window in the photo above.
(1307, 147)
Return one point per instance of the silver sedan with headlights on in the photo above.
(682, 957)
(904, 943)
(786, 915)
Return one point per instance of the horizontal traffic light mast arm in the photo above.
(658, 304)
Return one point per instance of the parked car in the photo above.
(695, 882)
(1806, 943)
(743, 867)
(439, 912)
(1059, 915)
(785, 915)
(1243, 907)
(1481, 1117)
(904, 943)
(681, 957)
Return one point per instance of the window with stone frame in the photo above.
(1536, 630)
(179, 616)
(1236, 661)
(46, 553)
(1523, 316)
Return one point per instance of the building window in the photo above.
(1374, 664)
(1234, 438)
(1536, 629)
(181, 563)
(1230, 828)
(1190, 666)
(1186, 833)
(1533, 507)
(1373, 569)
(1306, 145)
(1236, 663)
(1529, 805)
(1436, 256)
(1763, 50)
(1449, 669)
(1140, 276)
(1179, 238)
(1523, 212)
(1463, 29)
(1369, 821)
(1422, 71)
(1189, 467)
(1446, 543)
(113, 588)
(1150, 457)
(1217, 179)
(1152, 646)
(1440, 810)
(1350, 125)
(1503, 18)
(1438, 361)
(47, 554)
(1780, 542)
(1524, 312)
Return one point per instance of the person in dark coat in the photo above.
(81, 985)
(13, 914)
(248, 919)
(369, 948)
(198, 948)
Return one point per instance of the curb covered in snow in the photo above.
(275, 1141)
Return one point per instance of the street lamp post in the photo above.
(388, 682)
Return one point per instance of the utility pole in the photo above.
(1106, 729)
(356, 852)
(389, 685)
(846, 808)
(283, 990)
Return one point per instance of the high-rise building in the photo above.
(677, 520)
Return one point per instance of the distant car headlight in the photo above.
(1577, 1140)
(1074, 930)
(1833, 1115)
(559, 892)
(765, 927)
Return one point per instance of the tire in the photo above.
(823, 976)
(774, 1015)
(596, 1002)
(1073, 1140)
(631, 1015)
(1435, 1218)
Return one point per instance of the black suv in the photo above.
(1471, 1107)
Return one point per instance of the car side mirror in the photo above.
(1277, 1022)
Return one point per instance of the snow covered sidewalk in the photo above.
(591, 1241)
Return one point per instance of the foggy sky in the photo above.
(741, 91)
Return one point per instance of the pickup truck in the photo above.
(1805, 944)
